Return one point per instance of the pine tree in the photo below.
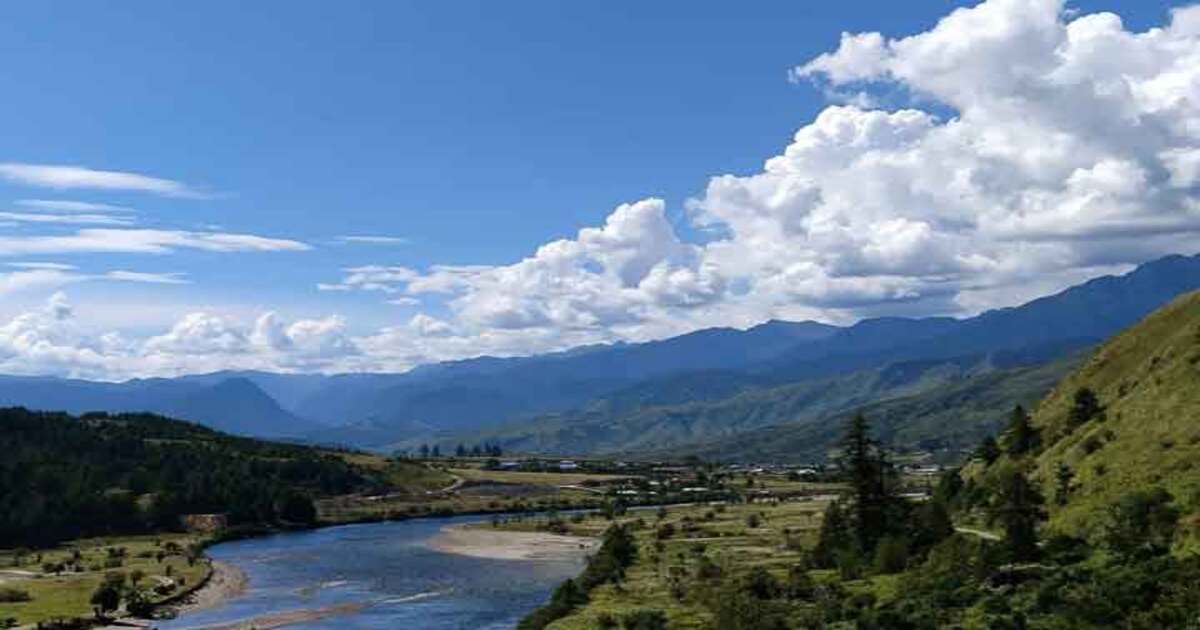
(1086, 406)
(988, 450)
(1022, 437)
(865, 467)
(1062, 483)
(1019, 509)
(833, 537)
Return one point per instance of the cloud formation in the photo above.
(53, 339)
(143, 241)
(1033, 148)
(60, 177)
(69, 219)
(1038, 148)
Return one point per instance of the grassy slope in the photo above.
(1148, 377)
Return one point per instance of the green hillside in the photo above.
(1148, 381)
(64, 477)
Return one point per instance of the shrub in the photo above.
(891, 555)
(11, 595)
(645, 620)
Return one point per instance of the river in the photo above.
(386, 573)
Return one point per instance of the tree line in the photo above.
(63, 477)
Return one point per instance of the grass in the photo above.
(1147, 379)
(719, 531)
(66, 595)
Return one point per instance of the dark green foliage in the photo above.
(1018, 509)
(295, 507)
(1062, 483)
(988, 450)
(107, 597)
(1021, 437)
(867, 470)
(1085, 408)
(1142, 523)
(751, 603)
(10, 595)
(834, 535)
(891, 554)
(933, 523)
(616, 553)
(800, 584)
(63, 478)
(644, 620)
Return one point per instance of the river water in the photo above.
(388, 570)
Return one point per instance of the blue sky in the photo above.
(471, 133)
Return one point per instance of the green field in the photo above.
(66, 594)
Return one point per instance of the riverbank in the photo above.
(290, 617)
(225, 582)
(462, 539)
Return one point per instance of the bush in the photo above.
(1141, 523)
(891, 555)
(645, 620)
(10, 595)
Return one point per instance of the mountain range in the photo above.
(768, 391)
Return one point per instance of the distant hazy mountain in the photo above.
(235, 405)
(589, 397)
(487, 391)
(841, 371)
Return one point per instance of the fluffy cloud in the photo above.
(1039, 147)
(54, 339)
(1034, 148)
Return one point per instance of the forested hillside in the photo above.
(63, 477)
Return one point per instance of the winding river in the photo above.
(380, 575)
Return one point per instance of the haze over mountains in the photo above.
(720, 392)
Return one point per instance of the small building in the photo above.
(205, 523)
(567, 464)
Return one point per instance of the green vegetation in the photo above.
(1080, 515)
(607, 565)
(1125, 422)
(64, 478)
(61, 582)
